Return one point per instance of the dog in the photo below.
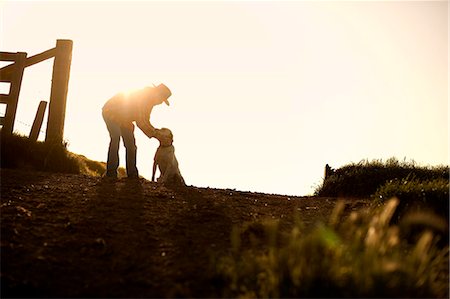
(166, 161)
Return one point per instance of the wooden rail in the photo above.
(9, 69)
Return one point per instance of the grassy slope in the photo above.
(19, 152)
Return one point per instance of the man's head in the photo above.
(165, 137)
(163, 93)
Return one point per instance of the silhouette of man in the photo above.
(120, 112)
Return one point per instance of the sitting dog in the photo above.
(166, 161)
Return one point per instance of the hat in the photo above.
(164, 92)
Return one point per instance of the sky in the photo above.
(264, 93)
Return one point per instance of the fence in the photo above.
(14, 78)
(13, 75)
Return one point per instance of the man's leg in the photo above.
(130, 145)
(113, 151)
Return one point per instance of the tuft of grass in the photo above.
(363, 256)
(419, 195)
(90, 167)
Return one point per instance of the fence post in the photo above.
(37, 124)
(328, 171)
(59, 89)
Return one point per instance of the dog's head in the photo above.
(165, 137)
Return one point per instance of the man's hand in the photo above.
(157, 134)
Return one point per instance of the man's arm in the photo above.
(143, 122)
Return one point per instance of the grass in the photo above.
(363, 256)
(19, 152)
(432, 195)
(420, 188)
(363, 179)
(399, 248)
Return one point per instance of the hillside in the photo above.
(68, 235)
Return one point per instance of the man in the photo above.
(120, 112)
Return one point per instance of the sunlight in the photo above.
(2, 109)
(276, 110)
(4, 87)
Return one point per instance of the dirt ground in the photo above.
(79, 236)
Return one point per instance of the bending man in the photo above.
(120, 112)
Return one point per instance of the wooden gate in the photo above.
(14, 78)
(13, 74)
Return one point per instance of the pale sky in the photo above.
(264, 93)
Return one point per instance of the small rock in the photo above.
(311, 208)
(23, 210)
(100, 241)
